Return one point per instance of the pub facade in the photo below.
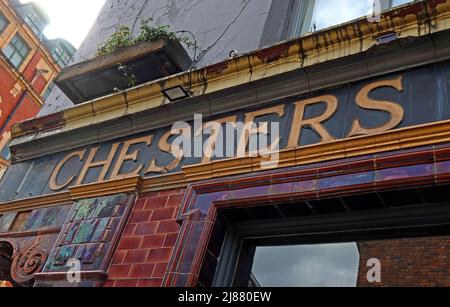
(158, 183)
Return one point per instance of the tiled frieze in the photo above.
(89, 235)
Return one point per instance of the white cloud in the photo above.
(70, 19)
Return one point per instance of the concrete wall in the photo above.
(219, 27)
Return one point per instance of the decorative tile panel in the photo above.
(89, 235)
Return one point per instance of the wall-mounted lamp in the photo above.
(176, 93)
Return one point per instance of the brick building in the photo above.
(29, 63)
(356, 112)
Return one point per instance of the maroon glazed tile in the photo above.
(335, 182)
(159, 255)
(259, 191)
(126, 283)
(153, 241)
(136, 256)
(155, 202)
(119, 271)
(160, 270)
(284, 188)
(408, 157)
(305, 186)
(141, 270)
(150, 283)
(442, 154)
(145, 229)
(406, 172)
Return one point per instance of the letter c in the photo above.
(54, 186)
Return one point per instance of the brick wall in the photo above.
(421, 262)
(148, 241)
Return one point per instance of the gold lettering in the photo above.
(125, 156)
(250, 129)
(90, 164)
(215, 127)
(165, 146)
(54, 186)
(364, 101)
(299, 122)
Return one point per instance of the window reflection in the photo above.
(326, 13)
(329, 265)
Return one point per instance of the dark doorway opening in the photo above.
(6, 253)
(241, 233)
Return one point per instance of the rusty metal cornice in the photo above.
(303, 57)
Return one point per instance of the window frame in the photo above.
(61, 56)
(12, 44)
(35, 23)
(5, 21)
(303, 15)
(242, 238)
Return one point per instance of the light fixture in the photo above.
(176, 93)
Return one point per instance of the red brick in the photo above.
(129, 230)
(146, 229)
(168, 227)
(159, 255)
(153, 241)
(171, 192)
(155, 202)
(136, 256)
(129, 283)
(163, 214)
(130, 243)
(150, 282)
(140, 204)
(160, 270)
(141, 270)
(119, 256)
(108, 284)
(119, 271)
(141, 216)
(174, 201)
(170, 240)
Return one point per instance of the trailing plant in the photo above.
(123, 37)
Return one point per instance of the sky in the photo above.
(70, 19)
(329, 265)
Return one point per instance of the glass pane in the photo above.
(329, 13)
(16, 59)
(3, 23)
(8, 51)
(328, 265)
(400, 2)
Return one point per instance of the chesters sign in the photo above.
(403, 99)
(295, 113)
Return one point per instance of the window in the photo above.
(48, 91)
(3, 23)
(322, 265)
(61, 56)
(35, 23)
(16, 51)
(315, 15)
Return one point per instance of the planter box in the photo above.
(101, 76)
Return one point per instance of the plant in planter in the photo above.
(123, 37)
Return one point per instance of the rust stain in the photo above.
(50, 122)
(216, 69)
(273, 53)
